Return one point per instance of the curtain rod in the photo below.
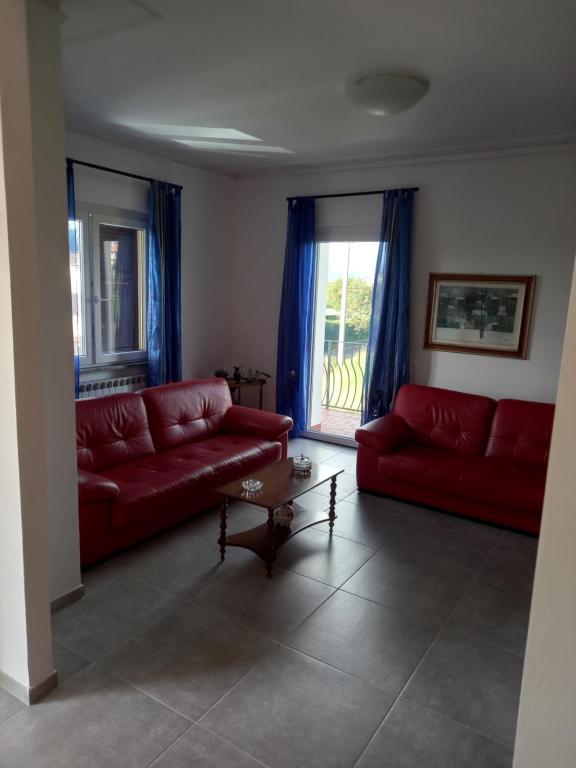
(114, 170)
(354, 194)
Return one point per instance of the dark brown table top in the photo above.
(281, 485)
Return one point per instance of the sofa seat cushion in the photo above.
(146, 485)
(230, 456)
(428, 467)
(507, 483)
(163, 480)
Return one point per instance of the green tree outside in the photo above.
(358, 309)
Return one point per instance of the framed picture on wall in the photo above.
(479, 314)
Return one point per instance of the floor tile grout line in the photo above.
(498, 647)
(172, 743)
(428, 650)
(236, 684)
(231, 744)
(462, 725)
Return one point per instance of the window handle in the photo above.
(96, 299)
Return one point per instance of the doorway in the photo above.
(343, 307)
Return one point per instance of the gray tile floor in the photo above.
(398, 644)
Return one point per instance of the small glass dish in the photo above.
(251, 485)
(302, 464)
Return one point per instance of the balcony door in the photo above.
(342, 319)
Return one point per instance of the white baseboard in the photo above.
(29, 695)
(67, 599)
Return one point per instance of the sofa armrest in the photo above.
(384, 434)
(93, 487)
(250, 421)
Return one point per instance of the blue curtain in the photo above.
(75, 272)
(163, 313)
(387, 359)
(296, 314)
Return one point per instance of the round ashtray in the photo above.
(302, 465)
(251, 485)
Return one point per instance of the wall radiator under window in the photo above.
(104, 387)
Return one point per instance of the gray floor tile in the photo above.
(273, 606)
(189, 659)
(185, 566)
(510, 568)
(314, 449)
(331, 560)
(463, 539)
(345, 485)
(314, 502)
(198, 748)
(520, 541)
(9, 705)
(66, 662)
(394, 511)
(366, 525)
(473, 683)
(92, 720)
(345, 459)
(109, 615)
(425, 583)
(413, 737)
(493, 615)
(365, 639)
(292, 711)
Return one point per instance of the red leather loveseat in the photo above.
(463, 453)
(149, 460)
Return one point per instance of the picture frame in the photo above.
(479, 314)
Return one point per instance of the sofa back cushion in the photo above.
(186, 412)
(521, 430)
(111, 431)
(445, 419)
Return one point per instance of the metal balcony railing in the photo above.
(343, 378)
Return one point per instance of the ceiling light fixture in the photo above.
(384, 94)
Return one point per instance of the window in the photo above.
(108, 274)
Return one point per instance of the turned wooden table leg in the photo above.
(222, 539)
(332, 512)
(271, 543)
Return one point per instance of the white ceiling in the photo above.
(502, 72)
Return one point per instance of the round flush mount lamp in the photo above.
(383, 94)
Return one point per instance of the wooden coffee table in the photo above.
(281, 486)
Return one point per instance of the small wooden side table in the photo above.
(236, 388)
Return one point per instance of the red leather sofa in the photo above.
(463, 453)
(148, 460)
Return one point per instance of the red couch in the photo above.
(463, 453)
(149, 460)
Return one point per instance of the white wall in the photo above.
(508, 214)
(546, 733)
(207, 224)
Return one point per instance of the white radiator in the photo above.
(104, 387)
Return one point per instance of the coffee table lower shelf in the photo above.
(262, 543)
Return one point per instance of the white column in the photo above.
(55, 298)
(36, 408)
(546, 726)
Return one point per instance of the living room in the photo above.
(495, 191)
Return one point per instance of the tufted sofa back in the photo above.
(111, 431)
(521, 430)
(446, 419)
(186, 412)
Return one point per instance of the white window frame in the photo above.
(92, 217)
